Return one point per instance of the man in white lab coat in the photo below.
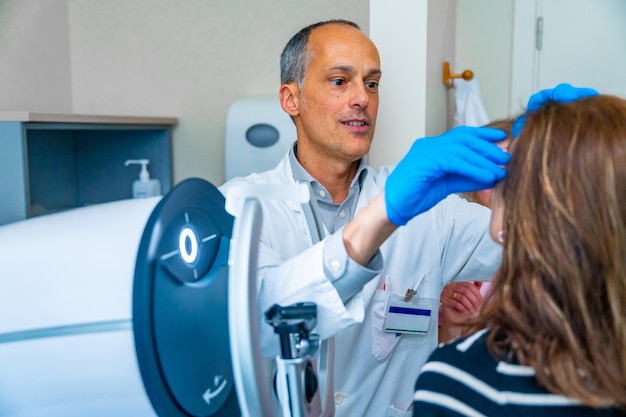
(391, 233)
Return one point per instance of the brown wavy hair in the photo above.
(558, 301)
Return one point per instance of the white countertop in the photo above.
(25, 116)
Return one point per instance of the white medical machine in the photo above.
(66, 323)
(147, 307)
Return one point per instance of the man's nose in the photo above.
(360, 97)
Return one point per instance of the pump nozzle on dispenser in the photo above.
(144, 186)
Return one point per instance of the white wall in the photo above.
(399, 30)
(484, 38)
(414, 38)
(34, 56)
(440, 49)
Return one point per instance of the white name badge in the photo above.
(407, 317)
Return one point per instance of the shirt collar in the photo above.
(301, 174)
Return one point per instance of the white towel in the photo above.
(470, 110)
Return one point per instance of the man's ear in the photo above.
(289, 95)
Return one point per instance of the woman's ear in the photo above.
(289, 95)
(496, 225)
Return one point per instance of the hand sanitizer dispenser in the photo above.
(144, 186)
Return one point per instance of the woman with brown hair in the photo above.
(554, 324)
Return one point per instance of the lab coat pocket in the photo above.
(383, 342)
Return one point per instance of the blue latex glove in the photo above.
(462, 159)
(563, 93)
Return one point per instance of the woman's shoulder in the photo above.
(465, 350)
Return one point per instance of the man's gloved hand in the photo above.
(563, 93)
(462, 159)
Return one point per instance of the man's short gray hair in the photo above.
(295, 57)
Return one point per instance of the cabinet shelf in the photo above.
(52, 162)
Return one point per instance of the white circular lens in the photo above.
(190, 253)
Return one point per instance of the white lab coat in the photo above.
(374, 370)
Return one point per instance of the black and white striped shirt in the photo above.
(463, 379)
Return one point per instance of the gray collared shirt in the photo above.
(334, 215)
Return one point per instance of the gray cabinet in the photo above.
(54, 162)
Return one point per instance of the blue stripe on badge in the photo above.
(407, 310)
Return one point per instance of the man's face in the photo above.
(338, 102)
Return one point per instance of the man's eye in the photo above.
(338, 82)
(372, 85)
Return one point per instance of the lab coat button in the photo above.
(335, 265)
(338, 398)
